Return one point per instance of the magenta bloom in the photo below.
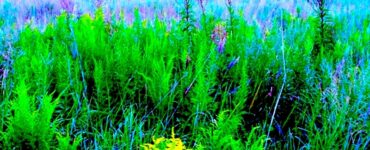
(233, 63)
(219, 37)
(98, 3)
(67, 5)
(221, 45)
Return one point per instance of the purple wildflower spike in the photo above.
(233, 63)
(98, 3)
(201, 3)
(5, 73)
(219, 37)
(234, 90)
(221, 45)
(67, 5)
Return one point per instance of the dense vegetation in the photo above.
(84, 82)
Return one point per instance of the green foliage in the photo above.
(84, 83)
(31, 126)
(324, 35)
(226, 128)
(2, 22)
(64, 143)
(187, 16)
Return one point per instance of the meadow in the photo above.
(190, 74)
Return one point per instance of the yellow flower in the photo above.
(171, 144)
(159, 140)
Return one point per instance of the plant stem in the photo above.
(284, 78)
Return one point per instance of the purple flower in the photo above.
(218, 36)
(233, 63)
(229, 3)
(201, 3)
(67, 5)
(98, 3)
(5, 73)
(108, 15)
(234, 90)
(221, 45)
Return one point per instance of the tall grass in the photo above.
(87, 83)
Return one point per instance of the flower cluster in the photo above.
(4, 71)
(170, 144)
(67, 5)
(218, 36)
(233, 63)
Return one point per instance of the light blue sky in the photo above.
(20, 10)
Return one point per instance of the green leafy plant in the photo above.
(324, 28)
(31, 126)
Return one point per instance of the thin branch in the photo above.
(284, 78)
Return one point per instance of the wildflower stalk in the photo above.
(75, 53)
(219, 36)
(201, 4)
(230, 9)
(187, 27)
(284, 78)
(67, 5)
(324, 39)
(233, 63)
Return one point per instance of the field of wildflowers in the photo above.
(184, 74)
